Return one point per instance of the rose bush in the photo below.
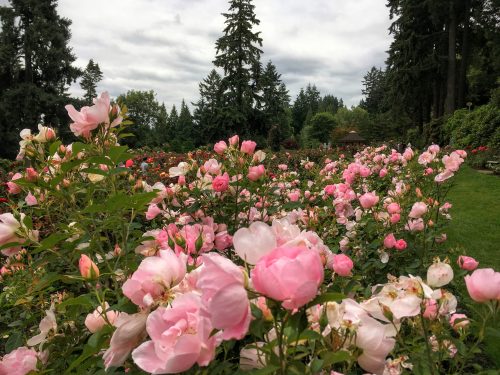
(234, 261)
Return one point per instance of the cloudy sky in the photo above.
(168, 45)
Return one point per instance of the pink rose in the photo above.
(220, 147)
(282, 167)
(212, 166)
(252, 243)
(180, 337)
(389, 241)
(154, 275)
(452, 162)
(254, 173)
(400, 244)
(95, 321)
(368, 200)
(294, 196)
(89, 118)
(382, 173)
(462, 323)
(128, 335)
(395, 218)
(418, 210)
(221, 183)
(31, 174)
(431, 309)
(234, 140)
(393, 208)
(12, 187)
(467, 263)
(19, 362)
(248, 147)
(30, 200)
(223, 240)
(443, 176)
(439, 274)
(433, 148)
(152, 212)
(416, 225)
(289, 274)
(342, 264)
(222, 285)
(483, 285)
(88, 269)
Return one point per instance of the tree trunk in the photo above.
(449, 105)
(462, 77)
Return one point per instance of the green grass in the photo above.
(475, 224)
(475, 228)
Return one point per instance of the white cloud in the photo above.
(168, 45)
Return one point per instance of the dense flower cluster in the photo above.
(236, 261)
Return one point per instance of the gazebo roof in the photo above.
(352, 136)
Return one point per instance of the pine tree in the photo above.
(299, 111)
(238, 55)
(38, 61)
(92, 75)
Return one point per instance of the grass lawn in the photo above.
(475, 227)
(475, 224)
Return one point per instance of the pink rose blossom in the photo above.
(254, 173)
(234, 140)
(252, 243)
(212, 166)
(31, 174)
(30, 200)
(294, 196)
(248, 147)
(223, 241)
(483, 285)
(19, 362)
(418, 210)
(342, 264)
(289, 274)
(395, 218)
(439, 274)
(220, 147)
(416, 225)
(222, 285)
(443, 176)
(393, 208)
(128, 335)
(89, 118)
(282, 167)
(433, 148)
(462, 323)
(425, 158)
(88, 269)
(467, 263)
(152, 212)
(382, 173)
(12, 187)
(368, 200)
(95, 320)
(431, 309)
(400, 244)
(154, 275)
(221, 183)
(389, 241)
(180, 337)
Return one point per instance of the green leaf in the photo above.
(14, 341)
(330, 358)
(118, 154)
(54, 147)
(327, 297)
(84, 300)
(77, 147)
(50, 241)
(269, 369)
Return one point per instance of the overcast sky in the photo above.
(168, 45)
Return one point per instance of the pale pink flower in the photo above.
(45, 134)
(8, 228)
(154, 276)
(251, 243)
(95, 320)
(400, 244)
(425, 158)
(431, 309)
(433, 148)
(443, 176)
(212, 166)
(342, 264)
(252, 357)
(128, 335)
(89, 118)
(289, 274)
(294, 196)
(483, 285)
(389, 241)
(221, 183)
(220, 147)
(47, 324)
(19, 362)
(31, 174)
(382, 173)
(30, 200)
(418, 210)
(395, 218)
(452, 162)
(282, 167)
(248, 147)
(223, 240)
(254, 173)
(12, 187)
(368, 200)
(467, 263)
(234, 140)
(153, 211)
(416, 225)
(88, 268)
(439, 274)
(224, 297)
(393, 208)
(180, 337)
(461, 323)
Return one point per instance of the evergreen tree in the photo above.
(374, 91)
(238, 55)
(299, 111)
(37, 62)
(91, 76)
(330, 103)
